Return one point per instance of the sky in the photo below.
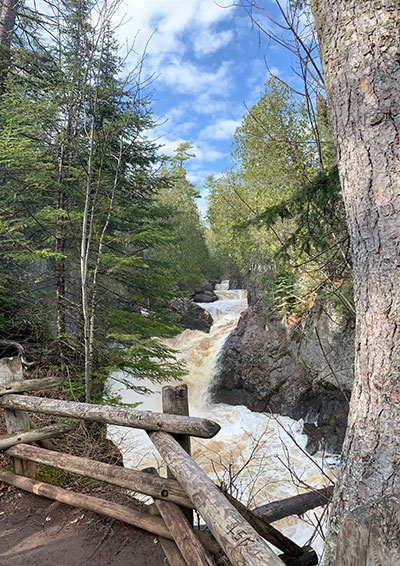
(208, 63)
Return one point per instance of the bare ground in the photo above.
(40, 532)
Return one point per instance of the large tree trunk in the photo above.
(360, 53)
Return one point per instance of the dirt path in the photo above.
(40, 532)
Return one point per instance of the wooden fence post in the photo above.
(242, 544)
(16, 421)
(175, 402)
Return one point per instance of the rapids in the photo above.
(260, 457)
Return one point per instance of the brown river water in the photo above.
(261, 456)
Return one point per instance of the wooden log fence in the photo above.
(239, 532)
(145, 420)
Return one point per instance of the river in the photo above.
(262, 457)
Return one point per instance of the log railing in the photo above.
(239, 532)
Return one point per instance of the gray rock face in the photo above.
(206, 293)
(269, 369)
(192, 316)
(205, 297)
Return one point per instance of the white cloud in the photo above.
(208, 42)
(166, 20)
(220, 130)
(185, 77)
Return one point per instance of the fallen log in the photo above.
(30, 385)
(134, 480)
(34, 435)
(296, 505)
(242, 544)
(146, 420)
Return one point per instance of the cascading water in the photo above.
(260, 457)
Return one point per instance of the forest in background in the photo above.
(100, 230)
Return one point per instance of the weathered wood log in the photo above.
(146, 420)
(172, 552)
(128, 515)
(160, 488)
(268, 532)
(125, 514)
(308, 558)
(182, 532)
(16, 421)
(8, 440)
(175, 401)
(371, 535)
(296, 505)
(28, 385)
(242, 544)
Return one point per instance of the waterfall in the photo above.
(262, 457)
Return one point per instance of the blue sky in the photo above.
(208, 64)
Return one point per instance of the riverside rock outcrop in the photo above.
(191, 315)
(206, 293)
(302, 373)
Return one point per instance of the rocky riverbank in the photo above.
(305, 371)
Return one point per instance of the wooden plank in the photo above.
(16, 421)
(242, 544)
(268, 532)
(8, 440)
(175, 401)
(172, 552)
(182, 532)
(296, 505)
(146, 420)
(160, 488)
(30, 385)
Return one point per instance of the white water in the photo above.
(262, 455)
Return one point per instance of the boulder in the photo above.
(191, 315)
(204, 297)
(267, 369)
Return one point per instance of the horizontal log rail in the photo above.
(296, 505)
(106, 508)
(242, 544)
(34, 435)
(160, 488)
(146, 420)
(30, 385)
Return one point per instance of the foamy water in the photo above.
(260, 457)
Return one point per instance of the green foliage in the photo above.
(277, 221)
(186, 253)
(73, 149)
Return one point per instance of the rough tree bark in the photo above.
(360, 53)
